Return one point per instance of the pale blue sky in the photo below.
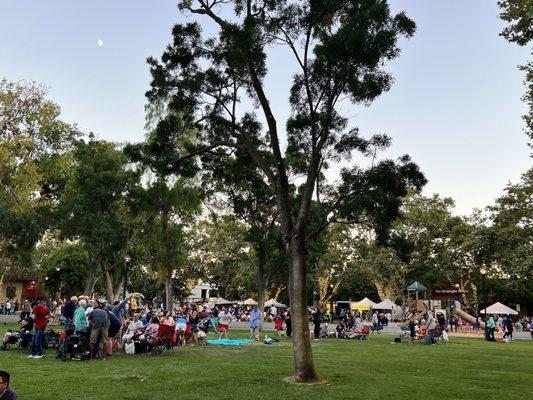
(455, 106)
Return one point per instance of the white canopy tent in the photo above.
(499, 308)
(250, 302)
(385, 305)
(220, 302)
(366, 302)
(273, 302)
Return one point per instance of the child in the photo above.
(278, 325)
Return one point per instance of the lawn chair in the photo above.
(165, 339)
(422, 333)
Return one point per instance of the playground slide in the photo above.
(425, 309)
(467, 317)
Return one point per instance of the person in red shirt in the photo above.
(41, 315)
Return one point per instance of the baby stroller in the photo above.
(72, 344)
(21, 339)
(204, 325)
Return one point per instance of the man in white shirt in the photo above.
(273, 311)
(135, 328)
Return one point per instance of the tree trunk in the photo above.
(119, 289)
(260, 286)
(169, 292)
(170, 259)
(108, 286)
(90, 281)
(304, 367)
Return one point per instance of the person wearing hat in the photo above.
(6, 393)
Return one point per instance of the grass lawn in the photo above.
(373, 369)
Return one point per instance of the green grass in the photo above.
(373, 369)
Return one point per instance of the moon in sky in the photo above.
(100, 42)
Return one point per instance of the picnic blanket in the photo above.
(229, 342)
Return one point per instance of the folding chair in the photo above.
(165, 339)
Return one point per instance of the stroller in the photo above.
(204, 325)
(21, 339)
(72, 344)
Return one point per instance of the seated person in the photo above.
(134, 330)
(358, 333)
(323, 331)
(26, 326)
(353, 333)
(168, 320)
(340, 330)
(151, 330)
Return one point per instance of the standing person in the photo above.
(412, 326)
(431, 323)
(288, 322)
(41, 315)
(510, 327)
(255, 319)
(68, 310)
(6, 393)
(375, 320)
(223, 323)
(26, 309)
(8, 307)
(317, 316)
(273, 311)
(99, 324)
(490, 327)
(80, 319)
(113, 333)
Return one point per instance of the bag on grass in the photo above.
(129, 348)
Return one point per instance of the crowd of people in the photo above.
(106, 326)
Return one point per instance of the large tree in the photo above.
(340, 48)
(35, 163)
(511, 237)
(519, 15)
(95, 208)
(171, 198)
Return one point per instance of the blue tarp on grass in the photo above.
(229, 342)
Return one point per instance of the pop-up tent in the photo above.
(250, 302)
(363, 305)
(499, 308)
(220, 302)
(385, 305)
(273, 302)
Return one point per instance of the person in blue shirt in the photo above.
(255, 318)
(80, 319)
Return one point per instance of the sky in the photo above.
(455, 106)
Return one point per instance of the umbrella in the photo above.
(273, 302)
(499, 308)
(250, 302)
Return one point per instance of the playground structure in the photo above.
(467, 317)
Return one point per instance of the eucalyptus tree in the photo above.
(340, 48)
